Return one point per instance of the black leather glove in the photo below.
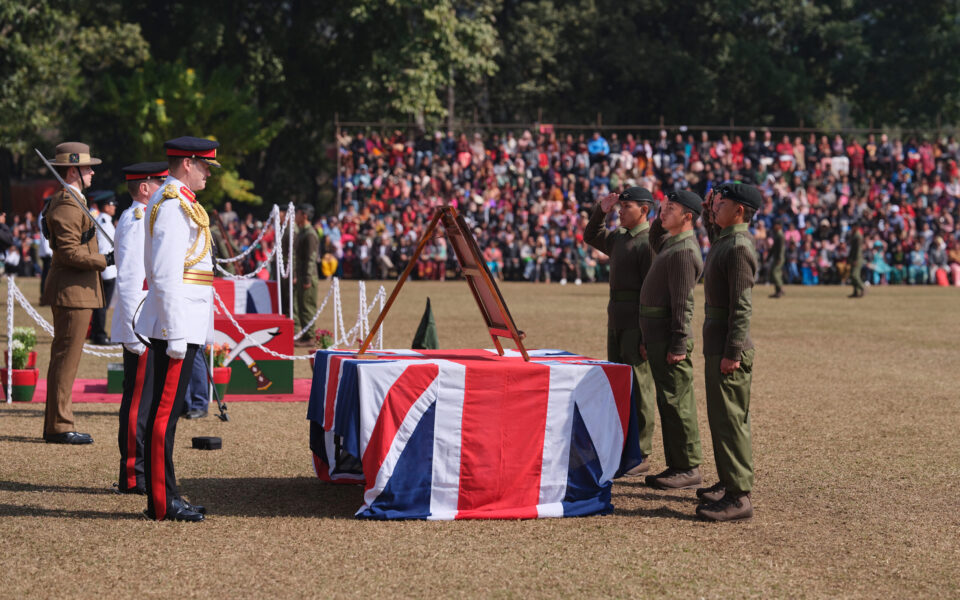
(109, 257)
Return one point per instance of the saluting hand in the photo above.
(608, 202)
(728, 366)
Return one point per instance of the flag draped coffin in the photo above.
(461, 434)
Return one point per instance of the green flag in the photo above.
(426, 336)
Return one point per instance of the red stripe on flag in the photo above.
(132, 420)
(621, 383)
(333, 381)
(411, 384)
(158, 438)
(501, 448)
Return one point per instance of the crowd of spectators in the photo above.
(528, 197)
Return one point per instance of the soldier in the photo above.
(177, 315)
(143, 179)
(855, 259)
(630, 257)
(777, 257)
(305, 277)
(666, 312)
(72, 289)
(108, 278)
(728, 278)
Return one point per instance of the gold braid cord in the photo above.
(196, 214)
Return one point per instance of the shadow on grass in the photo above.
(274, 497)
(17, 486)
(654, 496)
(658, 513)
(38, 412)
(14, 510)
(26, 439)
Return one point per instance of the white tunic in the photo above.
(128, 254)
(174, 309)
(106, 221)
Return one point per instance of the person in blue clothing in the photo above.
(197, 398)
(598, 148)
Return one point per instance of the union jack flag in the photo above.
(468, 434)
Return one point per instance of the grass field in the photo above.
(855, 419)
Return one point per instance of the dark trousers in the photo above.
(98, 325)
(170, 379)
(198, 396)
(134, 410)
(46, 260)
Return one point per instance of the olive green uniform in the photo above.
(630, 259)
(777, 255)
(728, 278)
(666, 312)
(856, 261)
(305, 247)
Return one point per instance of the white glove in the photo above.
(177, 348)
(136, 347)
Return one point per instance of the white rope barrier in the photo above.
(10, 286)
(283, 267)
(263, 231)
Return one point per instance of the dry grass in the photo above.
(855, 415)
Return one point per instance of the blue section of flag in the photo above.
(585, 496)
(409, 487)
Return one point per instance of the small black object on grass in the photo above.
(206, 442)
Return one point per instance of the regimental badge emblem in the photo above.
(138, 213)
(74, 158)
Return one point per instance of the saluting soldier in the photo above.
(630, 258)
(177, 315)
(143, 179)
(72, 289)
(856, 261)
(728, 278)
(777, 258)
(306, 244)
(666, 313)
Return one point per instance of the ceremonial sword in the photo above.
(67, 187)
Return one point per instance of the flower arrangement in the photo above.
(219, 352)
(20, 354)
(324, 339)
(27, 336)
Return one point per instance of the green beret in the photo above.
(637, 194)
(687, 199)
(746, 195)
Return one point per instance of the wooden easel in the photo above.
(492, 306)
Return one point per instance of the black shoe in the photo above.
(178, 511)
(195, 414)
(100, 340)
(70, 437)
(199, 508)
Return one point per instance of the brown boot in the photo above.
(711, 494)
(734, 505)
(640, 469)
(675, 479)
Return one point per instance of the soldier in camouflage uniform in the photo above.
(306, 244)
(777, 257)
(856, 261)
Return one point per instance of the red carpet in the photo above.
(95, 391)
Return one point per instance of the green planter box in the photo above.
(114, 378)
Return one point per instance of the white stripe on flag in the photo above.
(374, 380)
(448, 425)
(556, 439)
(598, 407)
(406, 429)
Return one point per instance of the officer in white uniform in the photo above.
(177, 315)
(143, 179)
(108, 276)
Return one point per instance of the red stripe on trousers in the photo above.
(620, 378)
(501, 447)
(158, 438)
(333, 382)
(132, 420)
(411, 384)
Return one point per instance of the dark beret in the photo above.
(687, 199)
(746, 195)
(193, 147)
(637, 194)
(145, 170)
(306, 209)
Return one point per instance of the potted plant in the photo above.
(24, 378)
(221, 372)
(28, 336)
(322, 340)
